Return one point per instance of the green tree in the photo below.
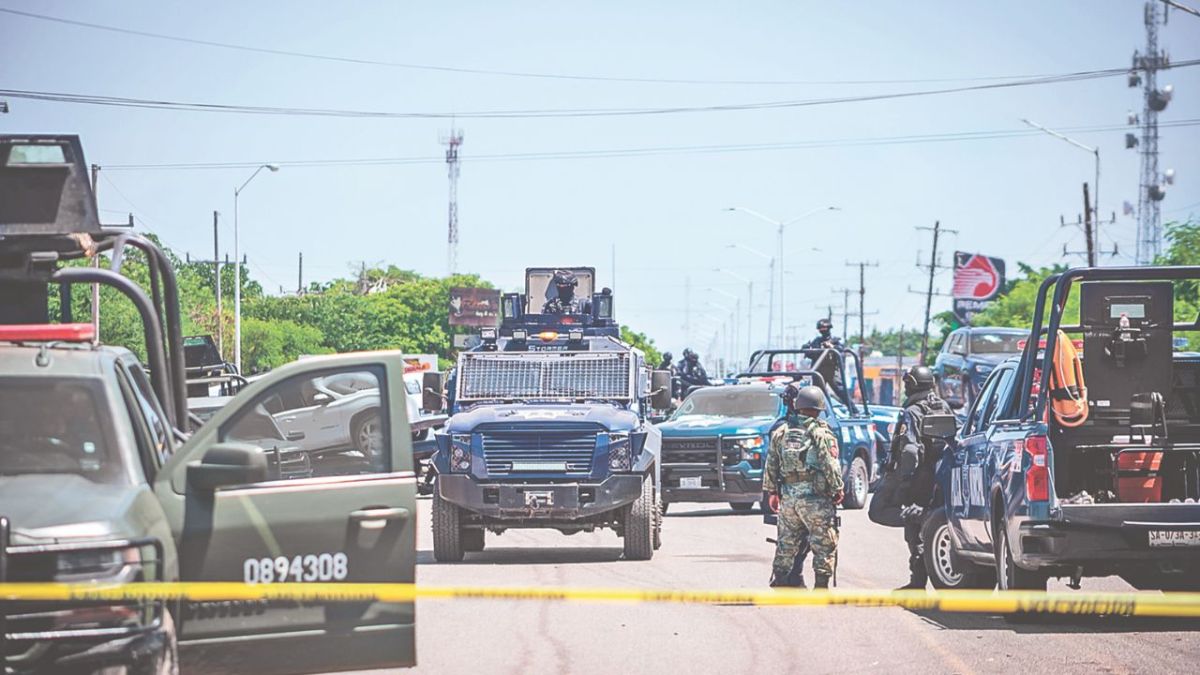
(642, 342)
(270, 344)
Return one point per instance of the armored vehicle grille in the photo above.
(492, 375)
(539, 451)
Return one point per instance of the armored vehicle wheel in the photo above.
(946, 569)
(742, 507)
(472, 540)
(639, 524)
(447, 530)
(858, 484)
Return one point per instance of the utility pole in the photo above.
(96, 259)
(1152, 185)
(300, 279)
(862, 295)
(1091, 229)
(845, 311)
(933, 267)
(452, 144)
(217, 269)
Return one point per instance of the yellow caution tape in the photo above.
(1009, 602)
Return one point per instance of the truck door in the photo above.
(972, 457)
(349, 517)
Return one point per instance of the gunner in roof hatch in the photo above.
(564, 300)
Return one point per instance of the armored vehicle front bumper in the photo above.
(540, 500)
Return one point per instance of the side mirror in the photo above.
(940, 426)
(660, 389)
(226, 464)
(432, 385)
(321, 398)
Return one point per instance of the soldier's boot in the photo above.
(790, 580)
(822, 581)
(917, 576)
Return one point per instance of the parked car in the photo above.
(335, 413)
(968, 355)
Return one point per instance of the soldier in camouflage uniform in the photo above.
(804, 482)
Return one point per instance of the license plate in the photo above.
(1174, 538)
(691, 482)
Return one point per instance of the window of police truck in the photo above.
(53, 425)
(996, 343)
(730, 402)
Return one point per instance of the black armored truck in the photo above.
(550, 424)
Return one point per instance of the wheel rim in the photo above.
(860, 485)
(370, 437)
(943, 557)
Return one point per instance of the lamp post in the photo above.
(737, 313)
(781, 225)
(749, 305)
(728, 331)
(771, 289)
(1096, 188)
(237, 271)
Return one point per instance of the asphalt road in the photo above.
(711, 547)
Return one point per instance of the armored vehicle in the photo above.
(550, 425)
(101, 484)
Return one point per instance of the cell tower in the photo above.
(452, 142)
(1152, 186)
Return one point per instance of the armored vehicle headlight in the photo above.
(460, 452)
(620, 456)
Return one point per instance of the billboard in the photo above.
(474, 307)
(978, 279)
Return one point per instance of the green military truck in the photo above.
(100, 484)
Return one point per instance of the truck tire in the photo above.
(447, 530)
(639, 524)
(1009, 575)
(472, 540)
(945, 568)
(858, 485)
(742, 507)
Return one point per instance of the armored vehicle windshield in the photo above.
(490, 376)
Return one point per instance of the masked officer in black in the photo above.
(831, 366)
(914, 459)
(691, 373)
(565, 302)
(668, 362)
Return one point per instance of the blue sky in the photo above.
(664, 212)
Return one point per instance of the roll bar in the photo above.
(862, 391)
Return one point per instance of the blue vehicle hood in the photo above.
(714, 425)
(610, 417)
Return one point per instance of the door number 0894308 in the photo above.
(311, 567)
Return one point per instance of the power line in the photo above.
(636, 151)
(541, 113)
(487, 71)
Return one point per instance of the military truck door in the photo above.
(345, 515)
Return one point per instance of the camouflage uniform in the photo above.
(802, 468)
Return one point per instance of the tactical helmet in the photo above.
(565, 278)
(824, 326)
(918, 379)
(803, 398)
(689, 355)
(668, 357)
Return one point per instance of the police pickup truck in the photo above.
(100, 485)
(550, 427)
(1074, 466)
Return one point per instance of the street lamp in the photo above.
(770, 290)
(237, 271)
(749, 304)
(781, 224)
(1095, 196)
(737, 313)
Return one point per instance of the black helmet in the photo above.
(667, 356)
(565, 278)
(824, 326)
(918, 379)
(688, 354)
(797, 398)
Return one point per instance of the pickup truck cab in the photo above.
(1028, 492)
(968, 355)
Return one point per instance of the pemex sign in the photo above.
(978, 279)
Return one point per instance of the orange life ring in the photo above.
(1068, 392)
